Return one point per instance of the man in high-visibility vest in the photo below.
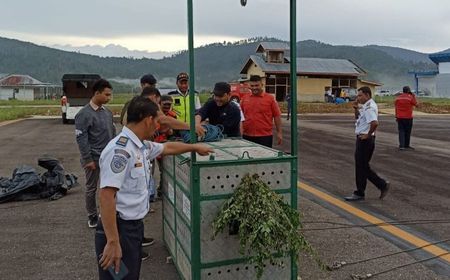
(181, 98)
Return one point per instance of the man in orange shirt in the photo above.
(404, 105)
(260, 111)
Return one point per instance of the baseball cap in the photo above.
(221, 88)
(182, 77)
(148, 79)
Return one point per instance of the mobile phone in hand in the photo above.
(123, 271)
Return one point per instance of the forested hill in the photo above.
(214, 62)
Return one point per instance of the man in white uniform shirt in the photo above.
(124, 178)
(366, 124)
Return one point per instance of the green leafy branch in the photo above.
(268, 227)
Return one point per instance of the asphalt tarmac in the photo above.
(50, 239)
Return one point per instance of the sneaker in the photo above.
(410, 148)
(354, 197)
(147, 241)
(401, 149)
(385, 190)
(92, 221)
(144, 256)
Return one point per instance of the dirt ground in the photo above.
(51, 240)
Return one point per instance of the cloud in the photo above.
(414, 24)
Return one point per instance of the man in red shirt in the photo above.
(404, 105)
(260, 111)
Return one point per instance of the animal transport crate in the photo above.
(193, 193)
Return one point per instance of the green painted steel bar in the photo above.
(294, 145)
(191, 71)
(195, 220)
(293, 77)
(194, 170)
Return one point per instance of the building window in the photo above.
(278, 85)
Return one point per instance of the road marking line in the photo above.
(10, 122)
(414, 240)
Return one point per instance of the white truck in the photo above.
(77, 90)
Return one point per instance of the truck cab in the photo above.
(239, 90)
(77, 89)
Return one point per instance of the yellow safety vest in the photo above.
(181, 107)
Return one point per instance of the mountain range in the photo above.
(213, 62)
(112, 50)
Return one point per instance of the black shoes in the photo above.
(92, 221)
(384, 191)
(147, 241)
(144, 256)
(354, 197)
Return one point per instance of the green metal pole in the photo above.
(194, 170)
(293, 74)
(191, 71)
(294, 149)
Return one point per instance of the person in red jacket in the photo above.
(404, 105)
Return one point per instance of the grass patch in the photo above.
(20, 112)
(323, 108)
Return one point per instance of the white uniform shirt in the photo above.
(125, 165)
(240, 110)
(367, 114)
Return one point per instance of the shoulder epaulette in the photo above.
(122, 141)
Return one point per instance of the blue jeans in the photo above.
(130, 234)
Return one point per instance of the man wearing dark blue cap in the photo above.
(221, 111)
(148, 80)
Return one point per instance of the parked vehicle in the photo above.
(77, 89)
(383, 92)
(238, 90)
(348, 94)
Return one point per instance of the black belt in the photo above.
(131, 222)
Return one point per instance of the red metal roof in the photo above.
(19, 80)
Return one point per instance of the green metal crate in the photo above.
(195, 191)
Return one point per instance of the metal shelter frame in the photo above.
(195, 165)
(293, 74)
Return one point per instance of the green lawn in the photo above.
(430, 100)
(428, 105)
(17, 112)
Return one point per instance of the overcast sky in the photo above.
(155, 25)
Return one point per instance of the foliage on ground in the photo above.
(267, 226)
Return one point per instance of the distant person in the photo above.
(125, 174)
(288, 105)
(181, 104)
(146, 81)
(94, 128)
(366, 124)
(149, 90)
(166, 106)
(329, 96)
(404, 106)
(261, 111)
(221, 111)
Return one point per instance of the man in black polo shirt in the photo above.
(221, 111)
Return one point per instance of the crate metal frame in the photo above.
(194, 195)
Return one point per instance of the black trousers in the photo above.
(130, 234)
(262, 140)
(404, 132)
(363, 155)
